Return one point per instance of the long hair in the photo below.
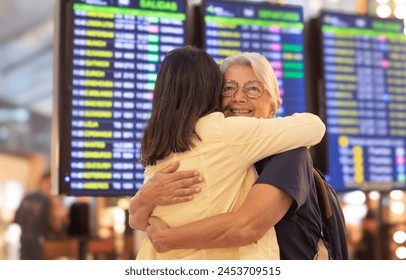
(262, 70)
(187, 87)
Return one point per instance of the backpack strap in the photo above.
(328, 210)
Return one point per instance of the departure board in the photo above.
(365, 101)
(111, 53)
(275, 31)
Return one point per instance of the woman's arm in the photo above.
(164, 188)
(255, 139)
(262, 209)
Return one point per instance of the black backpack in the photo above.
(334, 234)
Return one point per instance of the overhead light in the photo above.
(383, 11)
(314, 5)
(374, 195)
(397, 207)
(19, 115)
(396, 195)
(400, 12)
(399, 237)
(13, 233)
(354, 198)
(354, 214)
(401, 253)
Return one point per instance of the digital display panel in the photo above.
(274, 31)
(108, 62)
(365, 101)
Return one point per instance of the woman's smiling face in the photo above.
(240, 104)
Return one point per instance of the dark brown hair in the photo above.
(187, 87)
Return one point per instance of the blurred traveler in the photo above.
(39, 215)
(366, 246)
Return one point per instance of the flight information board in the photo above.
(275, 31)
(365, 99)
(112, 51)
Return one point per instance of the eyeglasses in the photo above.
(252, 89)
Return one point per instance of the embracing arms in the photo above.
(239, 228)
(283, 185)
(164, 188)
(258, 138)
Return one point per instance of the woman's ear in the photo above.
(274, 107)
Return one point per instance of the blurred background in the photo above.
(26, 90)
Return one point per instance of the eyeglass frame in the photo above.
(243, 88)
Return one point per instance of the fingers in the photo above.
(171, 167)
(187, 181)
(153, 219)
(157, 223)
(186, 191)
(180, 175)
(166, 188)
(178, 195)
(184, 177)
(185, 194)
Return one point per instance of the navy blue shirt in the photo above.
(298, 231)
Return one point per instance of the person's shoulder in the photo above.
(213, 116)
(210, 122)
(295, 158)
(210, 118)
(292, 159)
(298, 153)
(39, 196)
(33, 195)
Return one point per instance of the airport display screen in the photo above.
(365, 100)
(275, 31)
(112, 51)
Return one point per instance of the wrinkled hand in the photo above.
(155, 227)
(170, 187)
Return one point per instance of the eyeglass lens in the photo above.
(253, 89)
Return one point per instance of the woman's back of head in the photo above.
(187, 87)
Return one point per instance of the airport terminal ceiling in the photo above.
(26, 42)
(26, 64)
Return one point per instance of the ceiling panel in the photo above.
(18, 16)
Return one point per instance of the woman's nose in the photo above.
(240, 96)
